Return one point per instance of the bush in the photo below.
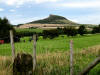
(82, 30)
(70, 31)
(60, 30)
(50, 33)
(96, 30)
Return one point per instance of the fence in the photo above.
(51, 63)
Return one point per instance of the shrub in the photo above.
(82, 30)
(50, 33)
(70, 31)
(96, 29)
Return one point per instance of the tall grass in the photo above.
(58, 63)
(5, 65)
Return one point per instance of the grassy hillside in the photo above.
(53, 19)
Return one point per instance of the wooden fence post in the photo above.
(12, 43)
(90, 66)
(71, 57)
(34, 52)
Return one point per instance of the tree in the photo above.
(5, 26)
(99, 28)
(50, 33)
(70, 31)
(82, 30)
(60, 30)
(96, 29)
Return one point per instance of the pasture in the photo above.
(53, 54)
(59, 44)
(28, 30)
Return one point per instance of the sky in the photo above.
(23, 11)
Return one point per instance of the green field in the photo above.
(59, 44)
(53, 55)
(28, 30)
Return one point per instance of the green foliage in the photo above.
(96, 29)
(5, 26)
(28, 32)
(60, 30)
(70, 31)
(82, 30)
(50, 33)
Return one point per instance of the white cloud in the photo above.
(74, 20)
(87, 19)
(82, 4)
(22, 20)
(21, 2)
(13, 2)
(12, 10)
(42, 1)
(1, 9)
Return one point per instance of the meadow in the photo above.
(59, 44)
(28, 30)
(53, 54)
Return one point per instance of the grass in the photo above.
(59, 44)
(53, 55)
(58, 63)
(5, 65)
(29, 30)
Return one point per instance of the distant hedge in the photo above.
(69, 31)
(50, 33)
(28, 32)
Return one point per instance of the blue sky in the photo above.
(23, 11)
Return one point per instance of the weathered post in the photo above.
(71, 57)
(34, 52)
(12, 43)
(90, 66)
(23, 64)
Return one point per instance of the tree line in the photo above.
(69, 31)
(5, 26)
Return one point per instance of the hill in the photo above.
(53, 19)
